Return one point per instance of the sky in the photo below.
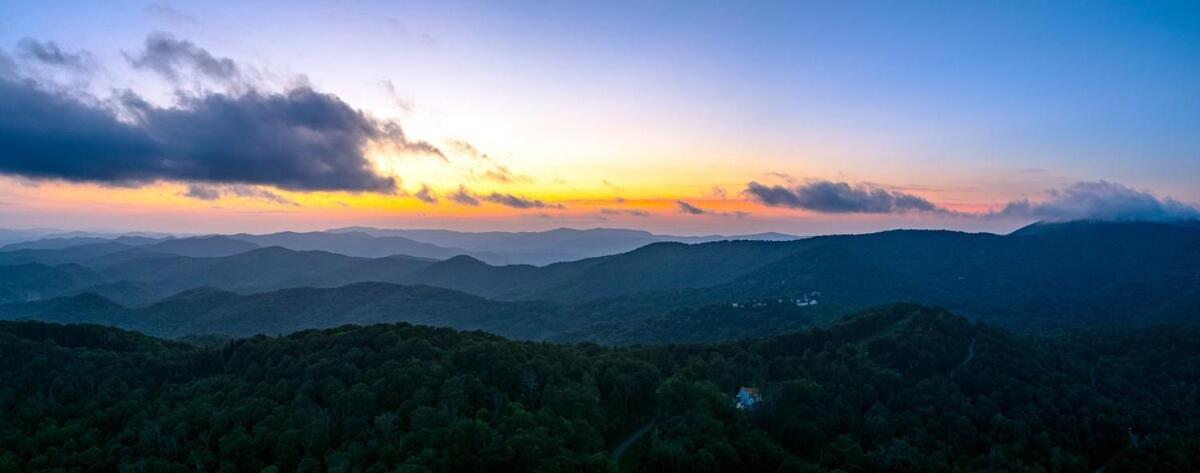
(680, 117)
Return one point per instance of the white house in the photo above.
(746, 398)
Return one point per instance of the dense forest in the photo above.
(898, 388)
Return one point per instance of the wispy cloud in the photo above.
(170, 14)
(689, 209)
(464, 197)
(486, 168)
(400, 102)
(50, 53)
(215, 192)
(630, 212)
(426, 195)
(509, 200)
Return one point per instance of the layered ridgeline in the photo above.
(1044, 277)
(899, 388)
(540, 248)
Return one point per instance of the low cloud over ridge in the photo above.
(1099, 200)
(839, 197)
(1094, 200)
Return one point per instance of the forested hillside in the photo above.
(1044, 278)
(900, 388)
(208, 311)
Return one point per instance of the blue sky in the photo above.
(971, 103)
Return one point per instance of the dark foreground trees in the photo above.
(891, 389)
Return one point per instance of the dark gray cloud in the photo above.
(426, 195)
(51, 54)
(515, 202)
(299, 139)
(840, 197)
(464, 197)
(1100, 200)
(171, 58)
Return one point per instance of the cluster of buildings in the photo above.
(746, 398)
(806, 300)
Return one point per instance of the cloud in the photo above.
(465, 148)
(7, 67)
(515, 202)
(464, 197)
(299, 139)
(253, 192)
(212, 192)
(170, 58)
(1099, 200)
(689, 209)
(202, 192)
(630, 212)
(493, 170)
(426, 195)
(788, 178)
(840, 197)
(170, 14)
(400, 102)
(501, 173)
(51, 54)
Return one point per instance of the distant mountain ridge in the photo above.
(556, 245)
(1057, 277)
(498, 248)
(214, 311)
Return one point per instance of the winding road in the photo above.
(970, 354)
(629, 441)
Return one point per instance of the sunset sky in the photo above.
(679, 117)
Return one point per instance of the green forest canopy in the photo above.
(898, 388)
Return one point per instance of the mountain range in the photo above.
(1041, 278)
(536, 248)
